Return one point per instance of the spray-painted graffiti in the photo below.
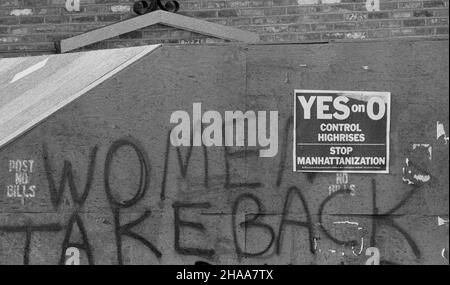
(324, 231)
(342, 182)
(22, 187)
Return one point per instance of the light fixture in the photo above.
(147, 6)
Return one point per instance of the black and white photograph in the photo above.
(224, 139)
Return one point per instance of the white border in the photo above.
(388, 130)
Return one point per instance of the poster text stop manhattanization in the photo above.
(341, 131)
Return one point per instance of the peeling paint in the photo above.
(417, 177)
(383, 204)
(360, 250)
(442, 221)
(407, 181)
(440, 132)
(427, 146)
(444, 254)
(21, 12)
(342, 183)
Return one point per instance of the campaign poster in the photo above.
(341, 131)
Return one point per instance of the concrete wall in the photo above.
(105, 161)
(31, 26)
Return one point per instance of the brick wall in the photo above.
(32, 26)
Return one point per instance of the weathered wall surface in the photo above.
(32, 26)
(104, 177)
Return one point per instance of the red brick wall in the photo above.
(31, 26)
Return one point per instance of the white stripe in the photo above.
(29, 70)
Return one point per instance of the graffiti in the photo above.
(442, 221)
(440, 132)
(415, 171)
(284, 147)
(183, 165)
(247, 212)
(308, 224)
(241, 154)
(75, 220)
(28, 229)
(386, 219)
(147, 6)
(22, 187)
(250, 223)
(179, 223)
(116, 205)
